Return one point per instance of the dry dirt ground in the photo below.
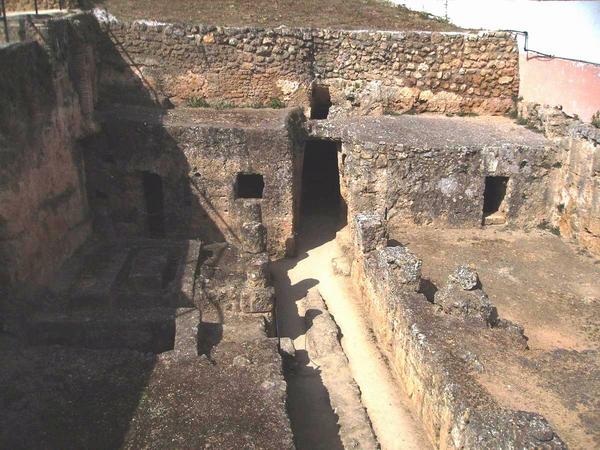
(338, 14)
(552, 289)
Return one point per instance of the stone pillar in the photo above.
(370, 231)
(258, 296)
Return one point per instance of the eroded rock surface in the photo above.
(436, 354)
(463, 296)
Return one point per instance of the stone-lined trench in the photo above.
(341, 393)
(312, 415)
(224, 183)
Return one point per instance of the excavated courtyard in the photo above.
(242, 237)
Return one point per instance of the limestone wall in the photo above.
(198, 154)
(575, 204)
(397, 71)
(366, 72)
(241, 66)
(431, 170)
(47, 96)
(456, 412)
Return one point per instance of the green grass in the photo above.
(223, 105)
(200, 102)
(522, 121)
(276, 103)
(197, 102)
(513, 114)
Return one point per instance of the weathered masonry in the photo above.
(355, 72)
(212, 166)
(151, 174)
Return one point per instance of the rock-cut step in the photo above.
(129, 295)
(147, 330)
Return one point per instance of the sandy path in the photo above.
(386, 405)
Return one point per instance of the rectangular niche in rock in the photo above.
(154, 197)
(249, 185)
(493, 200)
(320, 102)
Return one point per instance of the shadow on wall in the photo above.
(25, 98)
(46, 93)
(72, 396)
(139, 180)
(124, 77)
(137, 188)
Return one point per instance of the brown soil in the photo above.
(338, 14)
(533, 278)
(538, 281)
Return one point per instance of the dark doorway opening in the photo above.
(493, 195)
(154, 197)
(320, 102)
(249, 185)
(321, 178)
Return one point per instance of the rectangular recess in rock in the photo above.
(320, 102)
(249, 185)
(154, 197)
(321, 177)
(493, 197)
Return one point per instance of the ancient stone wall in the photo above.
(29, 5)
(47, 98)
(245, 66)
(373, 72)
(198, 155)
(426, 170)
(446, 187)
(366, 72)
(575, 206)
(456, 412)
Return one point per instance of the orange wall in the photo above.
(575, 86)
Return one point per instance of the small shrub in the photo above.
(513, 114)
(467, 114)
(427, 16)
(544, 225)
(276, 103)
(532, 127)
(596, 119)
(522, 121)
(391, 112)
(197, 102)
(223, 105)
(527, 124)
